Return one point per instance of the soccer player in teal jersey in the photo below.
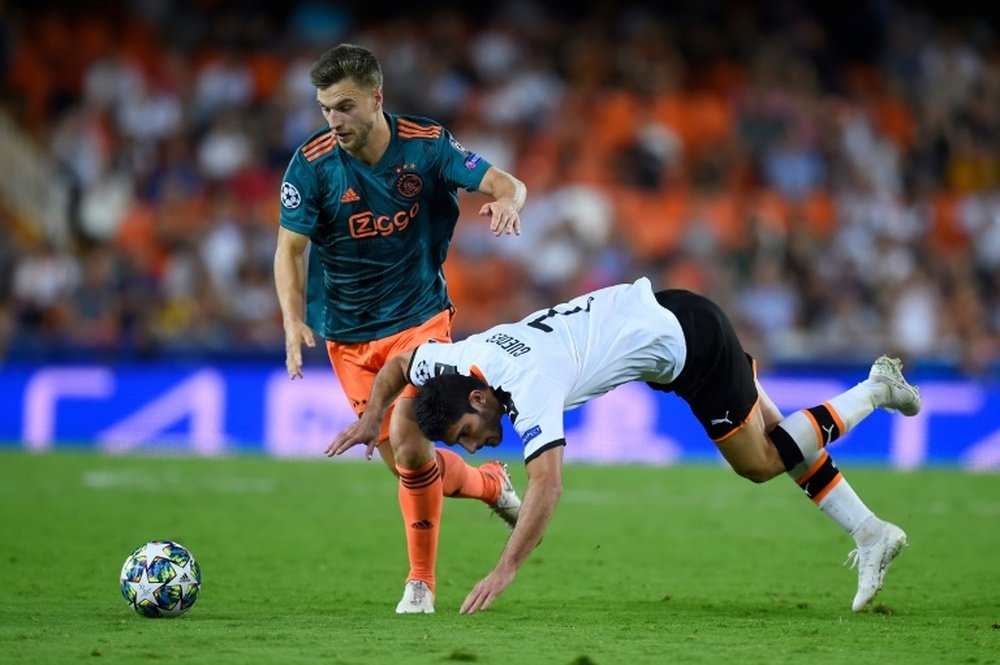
(375, 194)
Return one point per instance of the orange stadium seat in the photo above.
(652, 222)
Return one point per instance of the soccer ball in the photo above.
(160, 579)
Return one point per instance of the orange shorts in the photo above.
(357, 363)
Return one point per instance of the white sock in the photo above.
(868, 532)
(845, 507)
(807, 431)
(837, 499)
(856, 404)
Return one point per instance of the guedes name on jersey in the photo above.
(511, 345)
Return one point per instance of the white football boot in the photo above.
(873, 561)
(902, 396)
(508, 504)
(417, 599)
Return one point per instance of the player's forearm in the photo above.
(289, 282)
(389, 383)
(502, 186)
(540, 501)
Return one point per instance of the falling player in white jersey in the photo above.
(675, 341)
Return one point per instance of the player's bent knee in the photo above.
(756, 474)
(759, 468)
(750, 454)
(412, 452)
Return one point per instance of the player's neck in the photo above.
(377, 143)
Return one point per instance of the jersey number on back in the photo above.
(540, 324)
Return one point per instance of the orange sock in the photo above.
(465, 481)
(420, 500)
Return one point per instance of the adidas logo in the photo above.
(422, 524)
(350, 196)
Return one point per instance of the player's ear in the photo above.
(477, 398)
(378, 96)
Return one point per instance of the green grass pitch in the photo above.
(303, 562)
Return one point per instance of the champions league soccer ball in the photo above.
(160, 579)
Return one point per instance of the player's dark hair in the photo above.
(346, 61)
(443, 400)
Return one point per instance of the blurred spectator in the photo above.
(43, 281)
(837, 183)
(225, 148)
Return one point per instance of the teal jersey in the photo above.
(379, 235)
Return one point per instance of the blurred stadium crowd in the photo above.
(830, 176)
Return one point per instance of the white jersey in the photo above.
(556, 359)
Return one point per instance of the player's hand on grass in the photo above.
(503, 217)
(296, 334)
(362, 431)
(484, 593)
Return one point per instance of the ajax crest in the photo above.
(409, 185)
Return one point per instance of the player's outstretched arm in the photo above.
(540, 499)
(289, 282)
(389, 382)
(509, 195)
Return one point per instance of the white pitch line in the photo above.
(172, 481)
